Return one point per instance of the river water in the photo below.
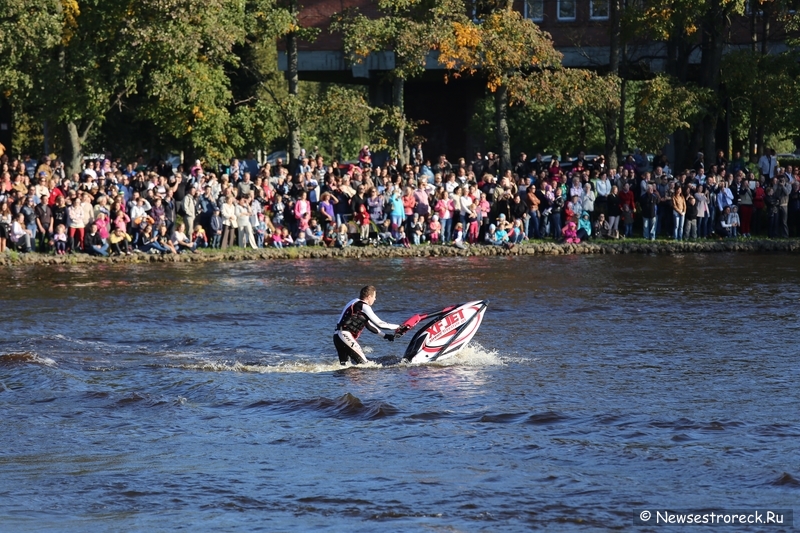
(208, 397)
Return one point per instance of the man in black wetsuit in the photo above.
(356, 316)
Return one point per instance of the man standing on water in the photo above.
(357, 315)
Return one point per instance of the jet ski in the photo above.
(446, 333)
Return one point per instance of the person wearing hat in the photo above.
(502, 222)
(584, 226)
(434, 230)
(44, 170)
(44, 223)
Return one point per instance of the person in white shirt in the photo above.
(724, 196)
(603, 185)
(20, 235)
(229, 222)
(181, 241)
(243, 223)
(768, 164)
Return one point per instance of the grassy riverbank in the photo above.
(630, 246)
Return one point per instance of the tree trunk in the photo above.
(714, 27)
(46, 134)
(582, 134)
(759, 144)
(610, 132)
(614, 36)
(501, 127)
(398, 101)
(678, 66)
(623, 99)
(294, 125)
(710, 137)
(610, 123)
(73, 149)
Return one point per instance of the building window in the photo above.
(566, 9)
(598, 9)
(534, 10)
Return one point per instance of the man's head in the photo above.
(368, 294)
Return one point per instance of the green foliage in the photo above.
(28, 135)
(188, 103)
(26, 28)
(187, 85)
(337, 119)
(172, 58)
(782, 144)
(409, 28)
(663, 107)
(764, 92)
(547, 129)
(585, 90)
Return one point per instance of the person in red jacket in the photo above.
(759, 196)
(626, 197)
(362, 219)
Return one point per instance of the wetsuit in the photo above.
(356, 316)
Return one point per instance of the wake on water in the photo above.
(472, 355)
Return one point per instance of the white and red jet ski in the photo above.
(448, 331)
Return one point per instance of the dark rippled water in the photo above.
(208, 397)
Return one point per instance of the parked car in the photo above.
(564, 163)
(174, 160)
(283, 155)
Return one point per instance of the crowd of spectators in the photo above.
(114, 207)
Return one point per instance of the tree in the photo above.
(411, 30)
(686, 25)
(764, 91)
(173, 53)
(663, 106)
(338, 120)
(191, 47)
(286, 24)
(547, 128)
(595, 95)
(27, 29)
(516, 58)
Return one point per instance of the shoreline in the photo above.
(637, 246)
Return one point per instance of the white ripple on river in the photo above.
(472, 355)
